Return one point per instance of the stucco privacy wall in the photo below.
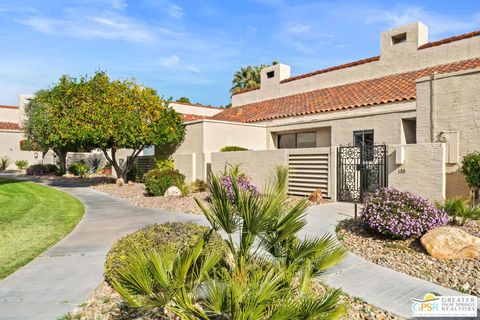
(450, 103)
(394, 58)
(10, 146)
(9, 114)
(258, 165)
(207, 136)
(185, 163)
(385, 120)
(422, 173)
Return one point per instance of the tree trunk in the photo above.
(62, 160)
(119, 171)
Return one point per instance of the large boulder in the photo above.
(451, 243)
(173, 192)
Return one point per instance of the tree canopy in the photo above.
(183, 100)
(247, 77)
(110, 115)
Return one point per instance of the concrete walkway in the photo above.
(64, 276)
(382, 287)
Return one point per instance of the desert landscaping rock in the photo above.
(451, 243)
(135, 195)
(173, 192)
(408, 256)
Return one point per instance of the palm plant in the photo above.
(4, 162)
(247, 77)
(267, 273)
(460, 211)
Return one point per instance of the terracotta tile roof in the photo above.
(8, 107)
(192, 117)
(9, 126)
(363, 61)
(451, 39)
(392, 88)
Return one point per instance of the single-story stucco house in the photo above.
(420, 100)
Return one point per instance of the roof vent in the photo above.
(270, 74)
(399, 38)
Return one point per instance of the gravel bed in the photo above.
(408, 256)
(135, 195)
(106, 304)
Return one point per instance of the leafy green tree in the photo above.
(471, 170)
(247, 77)
(184, 100)
(50, 119)
(121, 114)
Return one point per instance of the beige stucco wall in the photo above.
(9, 115)
(397, 58)
(422, 173)
(451, 103)
(10, 146)
(259, 165)
(185, 163)
(192, 109)
(207, 136)
(385, 120)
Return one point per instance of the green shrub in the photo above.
(471, 169)
(42, 169)
(158, 181)
(79, 169)
(132, 174)
(21, 164)
(164, 164)
(232, 148)
(175, 236)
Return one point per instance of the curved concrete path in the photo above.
(64, 276)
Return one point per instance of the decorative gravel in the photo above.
(408, 256)
(135, 195)
(106, 304)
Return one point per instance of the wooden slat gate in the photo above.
(308, 172)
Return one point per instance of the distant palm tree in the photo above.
(247, 77)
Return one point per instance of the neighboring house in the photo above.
(11, 135)
(421, 99)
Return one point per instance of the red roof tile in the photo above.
(392, 88)
(363, 61)
(451, 39)
(9, 126)
(8, 107)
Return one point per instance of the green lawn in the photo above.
(32, 218)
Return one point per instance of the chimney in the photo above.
(271, 76)
(399, 42)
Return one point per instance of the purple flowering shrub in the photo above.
(400, 214)
(243, 182)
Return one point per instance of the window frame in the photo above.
(295, 134)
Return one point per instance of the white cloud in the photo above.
(439, 24)
(174, 62)
(175, 11)
(170, 61)
(298, 29)
(107, 26)
(118, 4)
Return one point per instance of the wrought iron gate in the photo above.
(360, 170)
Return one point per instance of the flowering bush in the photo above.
(243, 182)
(401, 214)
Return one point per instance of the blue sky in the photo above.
(192, 48)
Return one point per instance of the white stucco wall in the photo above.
(8, 114)
(10, 146)
(194, 109)
(258, 165)
(422, 173)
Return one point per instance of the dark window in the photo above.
(297, 140)
(399, 38)
(364, 138)
(270, 74)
